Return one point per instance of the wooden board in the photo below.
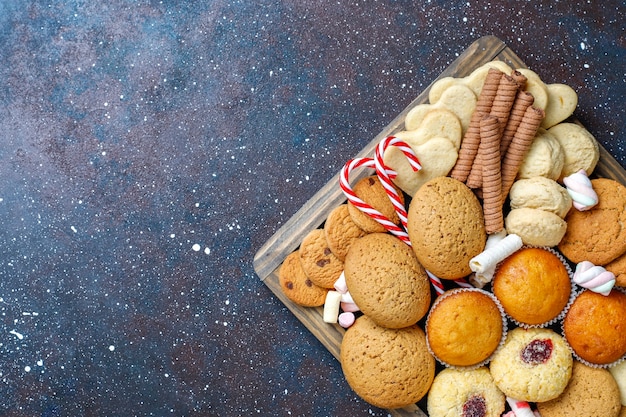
(313, 214)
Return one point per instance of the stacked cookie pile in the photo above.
(502, 201)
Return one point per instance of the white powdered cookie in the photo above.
(562, 101)
(536, 87)
(536, 227)
(545, 158)
(540, 193)
(579, 146)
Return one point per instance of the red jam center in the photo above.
(475, 406)
(537, 352)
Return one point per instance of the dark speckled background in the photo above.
(149, 148)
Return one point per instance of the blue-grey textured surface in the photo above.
(149, 148)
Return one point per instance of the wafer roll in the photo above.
(519, 146)
(471, 139)
(491, 179)
(520, 79)
(523, 100)
(504, 99)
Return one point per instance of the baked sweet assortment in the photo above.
(472, 392)
(533, 285)
(591, 392)
(296, 284)
(595, 327)
(464, 327)
(533, 365)
(388, 368)
(386, 281)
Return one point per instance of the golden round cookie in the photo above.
(318, 261)
(591, 392)
(618, 268)
(371, 191)
(579, 146)
(446, 227)
(386, 281)
(388, 368)
(533, 286)
(296, 284)
(595, 326)
(457, 392)
(622, 412)
(341, 231)
(598, 235)
(533, 365)
(464, 327)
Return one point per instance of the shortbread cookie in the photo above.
(437, 123)
(536, 227)
(618, 268)
(619, 373)
(591, 392)
(476, 80)
(562, 101)
(446, 227)
(381, 271)
(388, 368)
(370, 190)
(545, 158)
(458, 98)
(536, 87)
(318, 261)
(540, 193)
(296, 284)
(598, 235)
(341, 231)
(580, 148)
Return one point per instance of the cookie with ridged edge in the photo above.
(459, 392)
(446, 227)
(341, 231)
(386, 281)
(371, 191)
(388, 368)
(598, 235)
(296, 284)
(591, 392)
(318, 261)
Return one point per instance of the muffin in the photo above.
(595, 327)
(533, 285)
(464, 327)
(388, 368)
(591, 392)
(386, 281)
(533, 365)
(465, 393)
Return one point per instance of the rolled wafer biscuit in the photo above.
(489, 154)
(481, 278)
(519, 146)
(520, 79)
(492, 256)
(471, 139)
(523, 100)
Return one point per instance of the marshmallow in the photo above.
(580, 189)
(346, 319)
(331, 306)
(340, 285)
(594, 278)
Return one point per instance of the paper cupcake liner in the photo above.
(572, 293)
(584, 361)
(502, 339)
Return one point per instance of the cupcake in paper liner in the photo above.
(534, 286)
(595, 327)
(465, 327)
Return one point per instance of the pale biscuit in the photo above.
(545, 158)
(459, 99)
(580, 148)
(437, 157)
(440, 123)
(618, 268)
(536, 87)
(536, 227)
(619, 373)
(341, 231)
(439, 86)
(540, 193)
(562, 101)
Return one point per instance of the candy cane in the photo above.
(520, 408)
(383, 172)
(344, 183)
(436, 282)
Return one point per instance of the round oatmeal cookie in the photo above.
(591, 392)
(296, 284)
(533, 365)
(370, 190)
(598, 235)
(465, 393)
(318, 261)
(341, 231)
(618, 268)
(386, 281)
(388, 368)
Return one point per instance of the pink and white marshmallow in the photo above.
(579, 187)
(593, 277)
(520, 408)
